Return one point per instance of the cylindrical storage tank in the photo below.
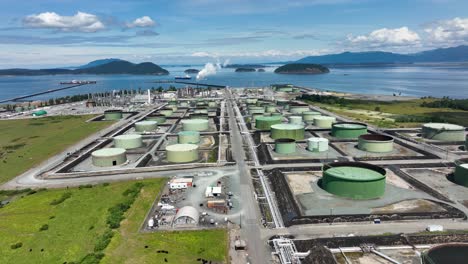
(182, 153)
(356, 180)
(166, 112)
(172, 102)
(451, 253)
(324, 121)
(348, 130)
(188, 137)
(160, 119)
(460, 175)
(198, 116)
(285, 89)
(282, 102)
(276, 114)
(443, 132)
(265, 122)
(146, 126)
(200, 111)
(184, 104)
(256, 110)
(113, 114)
(251, 100)
(130, 141)
(212, 104)
(375, 143)
(308, 116)
(108, 157)
(270, 108)
(298, 109)
(296, 90)
(291, 131)
(171, 107)
(19, 109)
(285, 146)
(195, 125)
(317, 144)
(295, 120)
(255, 116)
(286, 106)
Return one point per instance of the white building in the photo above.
(213, 191)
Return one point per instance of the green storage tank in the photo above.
(200, 111)
(184, 104)
(39, 113)
(270, 108)
(355, 180)
(195, 125)
(348, 130)
(212, 104)
(291, 131)
(285, 146)
(198, 116)
(282, 102)
(298, 109)
(375, 143)
(113, 114)
(324, 121)
(179, 153)
(449, 253)
(443, 132)
(166, 112)
(146, 126)
(160, 119)
(308, 116)
(129, 141)
(251, 101)
(19, 109)
(108, 157)
(317, 144)
(461, 172)
(297, 120)
(265, 122)
(188, 137)
(256, 110)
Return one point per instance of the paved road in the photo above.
(250, 225)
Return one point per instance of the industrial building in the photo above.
(443, 132)
(180, 183)
(194, 125)
(108, 157)
(375, 143)
(129, 141)
(354, 180)
(291, 131)
(178, 153)
(348, 130)
(186, 216)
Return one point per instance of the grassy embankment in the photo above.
(394, 113)
(70, 226)
(27, 142)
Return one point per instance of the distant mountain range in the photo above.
(106, 66)
(455, 54)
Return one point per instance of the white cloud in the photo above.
(257, 54)
(144, 21)
(81, 21)
(386, 38)
(451, 31)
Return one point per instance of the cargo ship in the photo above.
(78, 82)
(186, 77)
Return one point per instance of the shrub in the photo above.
(16, 245)
(92, 258)
(103, 241)
(62, 199)
(44, 227)
(86, 186)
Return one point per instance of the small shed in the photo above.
(213, 191)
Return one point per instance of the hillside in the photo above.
(302, 68)
(113, 67)
(98, 63)
(455, 54)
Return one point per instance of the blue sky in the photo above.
(50, 33)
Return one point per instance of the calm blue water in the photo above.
(413, 80)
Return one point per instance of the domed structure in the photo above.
(443, 132)
(108, 157)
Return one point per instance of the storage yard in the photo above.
(294, 180)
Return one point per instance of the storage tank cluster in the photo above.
(179, 153)
(324, 121)
(375, 143)
(355, 180)
(317, 144)
(443, 132)
(188, 137)
(460, 175)
(291, 131)
(195, 125)
(113, 114)
(130, 141)
(108, 157)
(348, 130)
(285, 146)
(308, 116)
(146, 126)
(265, 122)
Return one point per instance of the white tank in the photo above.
(317, 144)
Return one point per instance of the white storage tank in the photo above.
(317, 144)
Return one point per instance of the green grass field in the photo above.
(74, 225)
(128, 245)
(27, 142)
(392, 114)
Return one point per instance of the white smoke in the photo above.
(226, 63)
(211, 69)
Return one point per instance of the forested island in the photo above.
(191, 71)
(302, 68)
(245, 69)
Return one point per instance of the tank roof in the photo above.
(147, 122)
(317, 139)
(195, 121)
(324, 117)
(376, 137)
(350, 125)
(443, 126)
(108, 152)
(311, 113)
(128, 136)
(355, 173)
(287, 126)
(182, 147)
(269, 118)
